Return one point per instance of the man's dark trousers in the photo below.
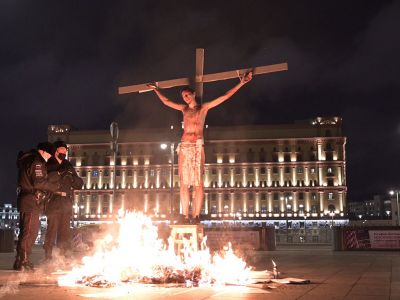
(58, 232)
(29, 226)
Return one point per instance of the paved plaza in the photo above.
(334, 275)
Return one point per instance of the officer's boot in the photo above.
(25, 263)
(17, 263)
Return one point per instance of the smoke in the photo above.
(11, 286)
(45, 273)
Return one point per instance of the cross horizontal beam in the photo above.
(141, 88)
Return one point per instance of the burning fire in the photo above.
(137, 255)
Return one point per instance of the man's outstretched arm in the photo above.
(243, 80)
(165, 100)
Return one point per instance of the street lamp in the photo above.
(392, 192)
(164, 146)
(114, 130)
(286, 198)
(332, 214)
(78, 209)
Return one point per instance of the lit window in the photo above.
(226, 209)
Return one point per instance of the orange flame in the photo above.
(137, 253)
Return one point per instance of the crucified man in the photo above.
(191, 149)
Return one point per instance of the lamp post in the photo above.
(392, 192)
(332, 214)
(78, 211)
(164, 146)
(114, 130)
(286, 198)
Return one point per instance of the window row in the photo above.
(214, 171)
(286, 154)
(264, 196)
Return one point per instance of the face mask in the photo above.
(61, 156)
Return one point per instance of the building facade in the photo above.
(380, 207)
(286, 175)
(9, 216)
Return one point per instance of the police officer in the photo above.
(33, 189)
(59, 209)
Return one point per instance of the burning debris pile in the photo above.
(137, 255)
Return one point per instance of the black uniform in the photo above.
(33, 186)
(59, 209)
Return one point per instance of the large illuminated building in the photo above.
(292, 176)
(9, 216)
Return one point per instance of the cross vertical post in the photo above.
(199, 74)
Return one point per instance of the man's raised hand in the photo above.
(153, 86)
(246, 77)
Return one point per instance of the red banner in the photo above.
(384, 239)
(371, 238)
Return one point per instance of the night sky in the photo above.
(61, 62)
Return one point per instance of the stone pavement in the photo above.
(333, 275)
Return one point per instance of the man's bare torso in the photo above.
(193, 123)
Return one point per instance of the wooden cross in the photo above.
(201, 78)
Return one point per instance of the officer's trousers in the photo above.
(58, 231)
(28, 231)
